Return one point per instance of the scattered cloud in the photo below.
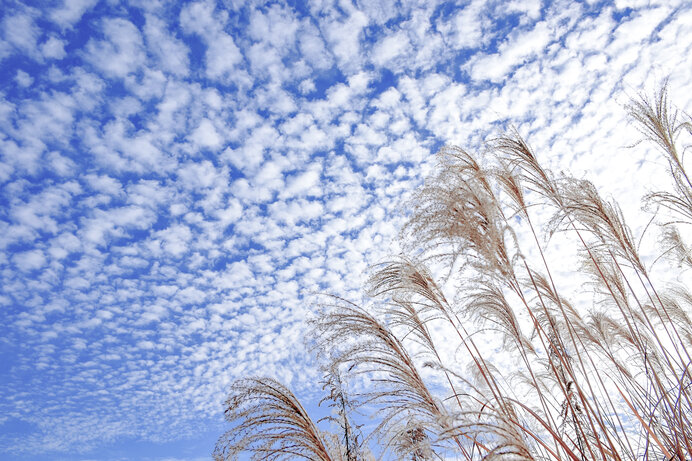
(53, 48)
(67, 15)
(122, 51)
(222, 54)
(21, 32)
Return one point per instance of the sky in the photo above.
(178, 179)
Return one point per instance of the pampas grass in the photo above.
(607, 381)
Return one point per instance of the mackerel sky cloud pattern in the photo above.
(177, 179)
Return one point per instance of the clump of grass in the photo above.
(611, 381)
(271, 424)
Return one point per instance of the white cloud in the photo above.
(222, 57)
(512, 52)
(121, 53)
(206, 136)
(191, 295)
(466, 26)
(53, 48)
(406, 149)
(202, 175)
(105, 184)
(248, 157)
(306, 183)
(344, 39)
(28, 261)
(21, 31)
(313, 49)
(175, 239)
(222, 54)
(199, 18)
(23, 79)
(591, 34)
(60, 164)
(269, 178)
(265, 61)
(170, 53)
(102, 225)
(277, 26)
(307, 86)
(529, 9)
(296, 211)
(119, 149)
(71, 12)
(390, 48)
(64, 244)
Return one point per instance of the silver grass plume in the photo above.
(270, 423)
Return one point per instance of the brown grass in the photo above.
(609, 382)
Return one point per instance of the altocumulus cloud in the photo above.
(177, 179)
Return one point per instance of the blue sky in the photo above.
(176, 179)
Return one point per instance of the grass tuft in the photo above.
(607, 381)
